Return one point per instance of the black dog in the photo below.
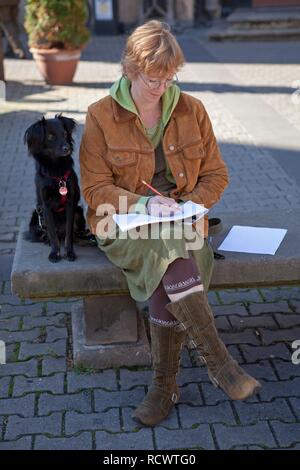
(57, 216)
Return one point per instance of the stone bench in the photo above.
(108, 329)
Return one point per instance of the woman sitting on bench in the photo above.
(148, 130)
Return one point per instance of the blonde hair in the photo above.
(152, 48)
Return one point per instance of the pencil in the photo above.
(151, 187)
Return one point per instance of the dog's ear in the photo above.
(68, 123)
(34, 136)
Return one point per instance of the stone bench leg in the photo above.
(109, 331)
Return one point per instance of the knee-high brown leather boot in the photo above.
(166, 344)
(193, 311)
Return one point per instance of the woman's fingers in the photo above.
(162, 206)
(163, 209)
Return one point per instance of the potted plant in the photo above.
(57, 33)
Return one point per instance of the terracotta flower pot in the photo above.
(57, 66)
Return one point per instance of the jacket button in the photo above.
(171, 147)
(181, 175)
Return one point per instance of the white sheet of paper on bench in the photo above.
(190, 212)
(259, 240)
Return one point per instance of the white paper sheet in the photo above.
(260, 240)
(190, 212)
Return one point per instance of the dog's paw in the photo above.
(70, 255)
(54, 257)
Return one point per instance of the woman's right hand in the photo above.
(158, 206)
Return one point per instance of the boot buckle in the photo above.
(202, 359)
(214, 381)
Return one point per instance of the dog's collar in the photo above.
(64, 177)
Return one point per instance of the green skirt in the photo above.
(144, 258)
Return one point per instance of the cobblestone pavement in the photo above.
(47, 404)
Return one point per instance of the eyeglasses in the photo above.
(154, 84)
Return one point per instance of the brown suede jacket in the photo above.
(115, 155)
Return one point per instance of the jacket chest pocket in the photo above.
(194, 151)
(191, 158)
(124, 168)
(120, 159)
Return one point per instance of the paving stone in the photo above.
(4, 384)
(295, 403)
(257, 434)
(296, 303)
(105, 399)
(190, 416)
(212, 298)
(249, 413)
(243, 337)
(259, 321)
(105, 379)
(286, 370)
(54, 320)
(257, 309)
(286, 434)
(51, 365)
(141, 440)
(17, 426)
(54, 333)
(18, 406)
(9, 324)
(10, 352)
(261, 370)
(24, 443)
(129, 378)
(82, 442)
(199, 438)
(54, 384)
(7, 237)
(193, 374)
(108, 421)
(190, 394)
(284, 388)
(8, 311)
(248, 448)
(57, 307)
(278, 293)
(283, 335)
(28, 350)
(18, 336)
(235, 353)
(287, 320)
(254, 353)
(222, 324)
(235, 309)
(28, 368)
(72, 402)
(240, 295)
